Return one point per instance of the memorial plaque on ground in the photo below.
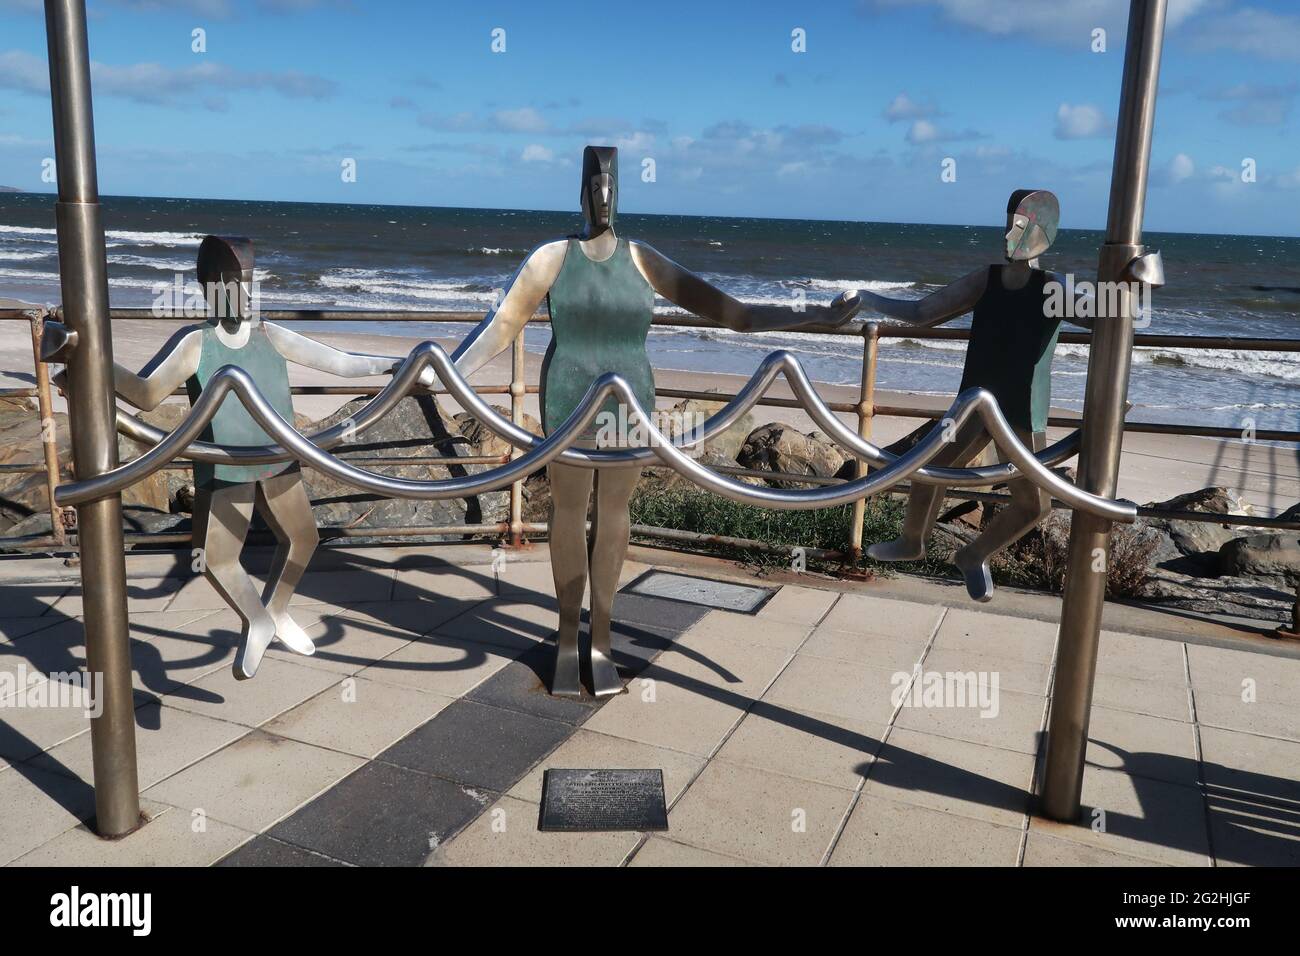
(601, 800)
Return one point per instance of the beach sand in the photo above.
(1153, 467)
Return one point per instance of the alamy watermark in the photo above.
(1083, 299)
(66, 690)
(962, 689)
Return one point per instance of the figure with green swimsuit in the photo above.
(1012, 342)
(226, 495)
(600, 290)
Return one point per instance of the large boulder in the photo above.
(1263, 555)
(415, 428)
(483, 440)
(782, 448)
(1192, 547)
(691, 412)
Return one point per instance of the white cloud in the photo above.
(1250, 31)
(903, 107)
(1180, 168)
(1056, 21)
(536, 153)
(1083, 121)
(523, 120)
(922, 131)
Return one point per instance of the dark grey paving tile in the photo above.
(635, 645)
(656, 612)
(262, 850)
(522, 685)
(383, 816)
(478, 745)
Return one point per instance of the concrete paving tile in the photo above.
(255, 781)
(877, 650)
(277, 687)
(999, 635)
(1141, 658)
(1157, 698)
(818, 747)
(657, 612)
(1044, 850)
(1249, 764)
(165, 665)
(732, 663)
(1258, 717)
(477, 745)
(32, 600)
(795, 604)
(358, 716)
(1253, 797)
(862, 614)
(531, 580)
(166, 741)
(38, 806)
(524, 685)
(507, 835)
(263, 850)
(858, 692)
(508, 622)
(760, 816)
(172, 837)
(658, 851)
(143, 594)
(587, 750)
(1143, 745)
(439, 665)
(383, 815)
(1136, 816)
(1230, 673)
(1251, 834)
(956, 777)
(447, 584)
(884, 832)
(196, 592)
(1017, 674)
(25, 730)
(348, 642)
(12, 628)
(1014, 726)
(778, 635)
(344, 587)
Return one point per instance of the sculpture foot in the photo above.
(898, 550)
(292, 636)
(604, 676)
(257, 638)
(979, 580)
(567, 681)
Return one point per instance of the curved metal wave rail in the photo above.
(228, 379)
(429, 353)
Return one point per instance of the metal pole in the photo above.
(517, 392)
(84, 283)
(866, 411)
(1103, 419)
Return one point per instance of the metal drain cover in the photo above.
(723, 595)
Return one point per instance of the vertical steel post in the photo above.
(83, 280)
(866, 412)
(1103, 418)
(517, 392)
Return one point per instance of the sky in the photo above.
(830, 110)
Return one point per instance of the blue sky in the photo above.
(737, 122)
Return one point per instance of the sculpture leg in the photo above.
(611, 525)
(1029, 505)
(221, 519)
(570, 495)
(283, 502)
(925, 501)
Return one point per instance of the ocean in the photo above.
(406, 257)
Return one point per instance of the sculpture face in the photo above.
(1033, 216)
(225, 270)
(599, 195)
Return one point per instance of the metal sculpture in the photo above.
(228, 493)
(600, 292)
(1012, 342)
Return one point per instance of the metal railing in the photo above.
(514, 530)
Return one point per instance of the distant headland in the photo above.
(11, 189)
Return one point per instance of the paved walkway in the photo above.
(420, 730)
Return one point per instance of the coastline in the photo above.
(1152, 468)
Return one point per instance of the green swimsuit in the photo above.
(232, 425)
(600, 317)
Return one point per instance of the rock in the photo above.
(1266, 599)
(483, 439)
(415, 428)
(135, 520)
(780, 448)
(1264, 555)
(691, 412)
(1193, 538)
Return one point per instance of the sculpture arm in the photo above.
(956, 298)
(688, 290)
(1076, 313)
(302, 350)
(527, 288)
(164, 373)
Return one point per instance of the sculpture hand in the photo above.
(844, 307)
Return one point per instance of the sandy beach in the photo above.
(1154, 467)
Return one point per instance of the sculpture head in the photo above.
(599, 188)
(226, 274)
(1032, 219)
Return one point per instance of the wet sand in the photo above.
(1153, 468)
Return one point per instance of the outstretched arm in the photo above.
(684, 288)
(301, 350)
(164, 373)
(1077, 313)
(522, 297)
(956, 298)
